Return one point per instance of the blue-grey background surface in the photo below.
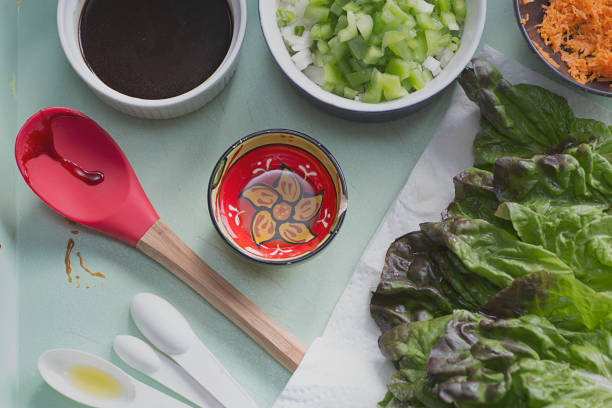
(40, 310)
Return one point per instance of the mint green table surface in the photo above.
(40, 310)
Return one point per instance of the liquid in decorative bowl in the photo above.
(277, 196)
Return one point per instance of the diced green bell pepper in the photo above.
(448, 19)
(400, 68)
(323, 47)
(350, 93)
(402, 49)
(418, 45)
(350, 31)
(358, 47)
(284, 17)
(316, 13)
(332, 74)
(436, 40)
(374, 92)
(416, 79)
(460, 10)
(373, 55)
(392, 37)
(392, 87)
(337, 49)
(428, 22)
(359, 77)
(352, 7)
(365, 24)
(298, 30)
(321, 31)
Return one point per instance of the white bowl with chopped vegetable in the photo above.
(372, 59)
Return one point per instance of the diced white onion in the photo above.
(422, 6)
(446, 56)
(315, 74)
(433, 65)
(453, 27)
(302, 59)
(301, 43)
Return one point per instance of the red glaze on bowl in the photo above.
(277, 196)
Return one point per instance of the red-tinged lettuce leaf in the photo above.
(559, 179)
(523, 114)
(421, 280)
(408, 346)
(524, 120)
(475, 198)
(390, 401)
(579, 176)
(471, 360)
(527, 243)
(526, 362)
(454, 264)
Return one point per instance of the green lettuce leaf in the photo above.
(579, 176)
(491, 252)
(489, 144)
(542, 178)
(470, 360)
(561, 298)
(421, 280)
(454, 264)
(508, 301)
(524, 120)
(580, 235)
(476, 198)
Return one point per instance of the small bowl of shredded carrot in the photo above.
(573, 38)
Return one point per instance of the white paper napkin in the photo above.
(343, 367)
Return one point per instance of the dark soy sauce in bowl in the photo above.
(155, 49)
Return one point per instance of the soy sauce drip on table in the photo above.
(42, 144)
(89, 271)
(155, 49)
(69, 248)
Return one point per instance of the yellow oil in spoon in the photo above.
(94, 382)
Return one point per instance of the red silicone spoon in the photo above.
(75, 167)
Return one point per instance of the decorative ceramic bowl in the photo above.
(277, 196)
(529, 16)
(370, 112)
(68, 18)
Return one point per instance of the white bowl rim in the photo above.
(92, 80)
(267, 17)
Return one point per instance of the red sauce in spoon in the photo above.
(41, 142)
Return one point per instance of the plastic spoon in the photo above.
(142, 357)
(75, 167)
(166, 328)
(55, 367)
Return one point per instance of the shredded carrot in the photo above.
(525, 19)
(526, 1)
(581, 32)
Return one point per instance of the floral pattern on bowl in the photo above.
(277, 196)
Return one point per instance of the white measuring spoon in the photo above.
(55, 366)
(144, 358)
(168, 330)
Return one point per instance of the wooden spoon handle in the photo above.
(164, 246)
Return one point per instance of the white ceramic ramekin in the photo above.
(368, 112)
(68, 16)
